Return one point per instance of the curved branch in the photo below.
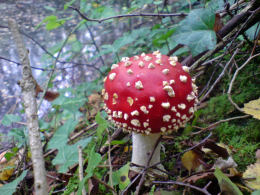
(234, 78)
(203, 190)
(126, 15)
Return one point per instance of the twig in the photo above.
(138, 188)
(62, 62)
(177, 47)
(94, 43)
(126, 15)
(28, 85)
(110, 164)
(195, 146)
(141, 173)
(51, 55)
(217, 123)
(234, 78)
(124, 192)
(188, 149)
(203, 190)
(230, 30)
(81, 169)
(78, 134)
(72, 138)
(220, 76)
(54, 65)
(103, 183)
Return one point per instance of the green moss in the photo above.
(217, 108)
(243, 138)
(72, 185)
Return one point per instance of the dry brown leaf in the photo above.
(196, 177)
(49, 95)
(92, 186)
(218, 23)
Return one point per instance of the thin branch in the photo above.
(126, 15)
(94, 43)
(231, 29)
(217, 123)
(234, 78)
(104, 183)
(110, 164)
(220, 76)
(81, 169)
(203, 190)
(51, 69)
(54, 65)
(141, 182)
(28, 86)
(188, 149)
(124, 192)
(51, 55)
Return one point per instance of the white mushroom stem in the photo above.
(143, 146)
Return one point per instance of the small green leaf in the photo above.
(60, 138)
(121, 177)
(68, 4)
(225, 184)
(9, 155)
(52, 22)
(253, 31)
(118, 142)
(196, 31)
(68, 155)
(10, 188)
(93, 160)
(10, 118)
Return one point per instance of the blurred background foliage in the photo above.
(71, 55)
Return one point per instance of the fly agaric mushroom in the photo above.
(149, 95)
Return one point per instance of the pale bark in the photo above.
(28, 85)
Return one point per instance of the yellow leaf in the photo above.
(190, 160)
(252, 176)
(7, 169)
(95, 5)
(253, 108)
(127, 149)
(252, 173)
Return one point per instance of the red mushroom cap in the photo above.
(150, 93)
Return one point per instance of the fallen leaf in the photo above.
(191, 160)
(121, 177)
(224, 164)
(49, 95)
(92, 186)
(196, 177)
(10, 188)
(226, 185)
(217, 148)
(252, 176)
(7, 167)
(218, 23)
(253, 108)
